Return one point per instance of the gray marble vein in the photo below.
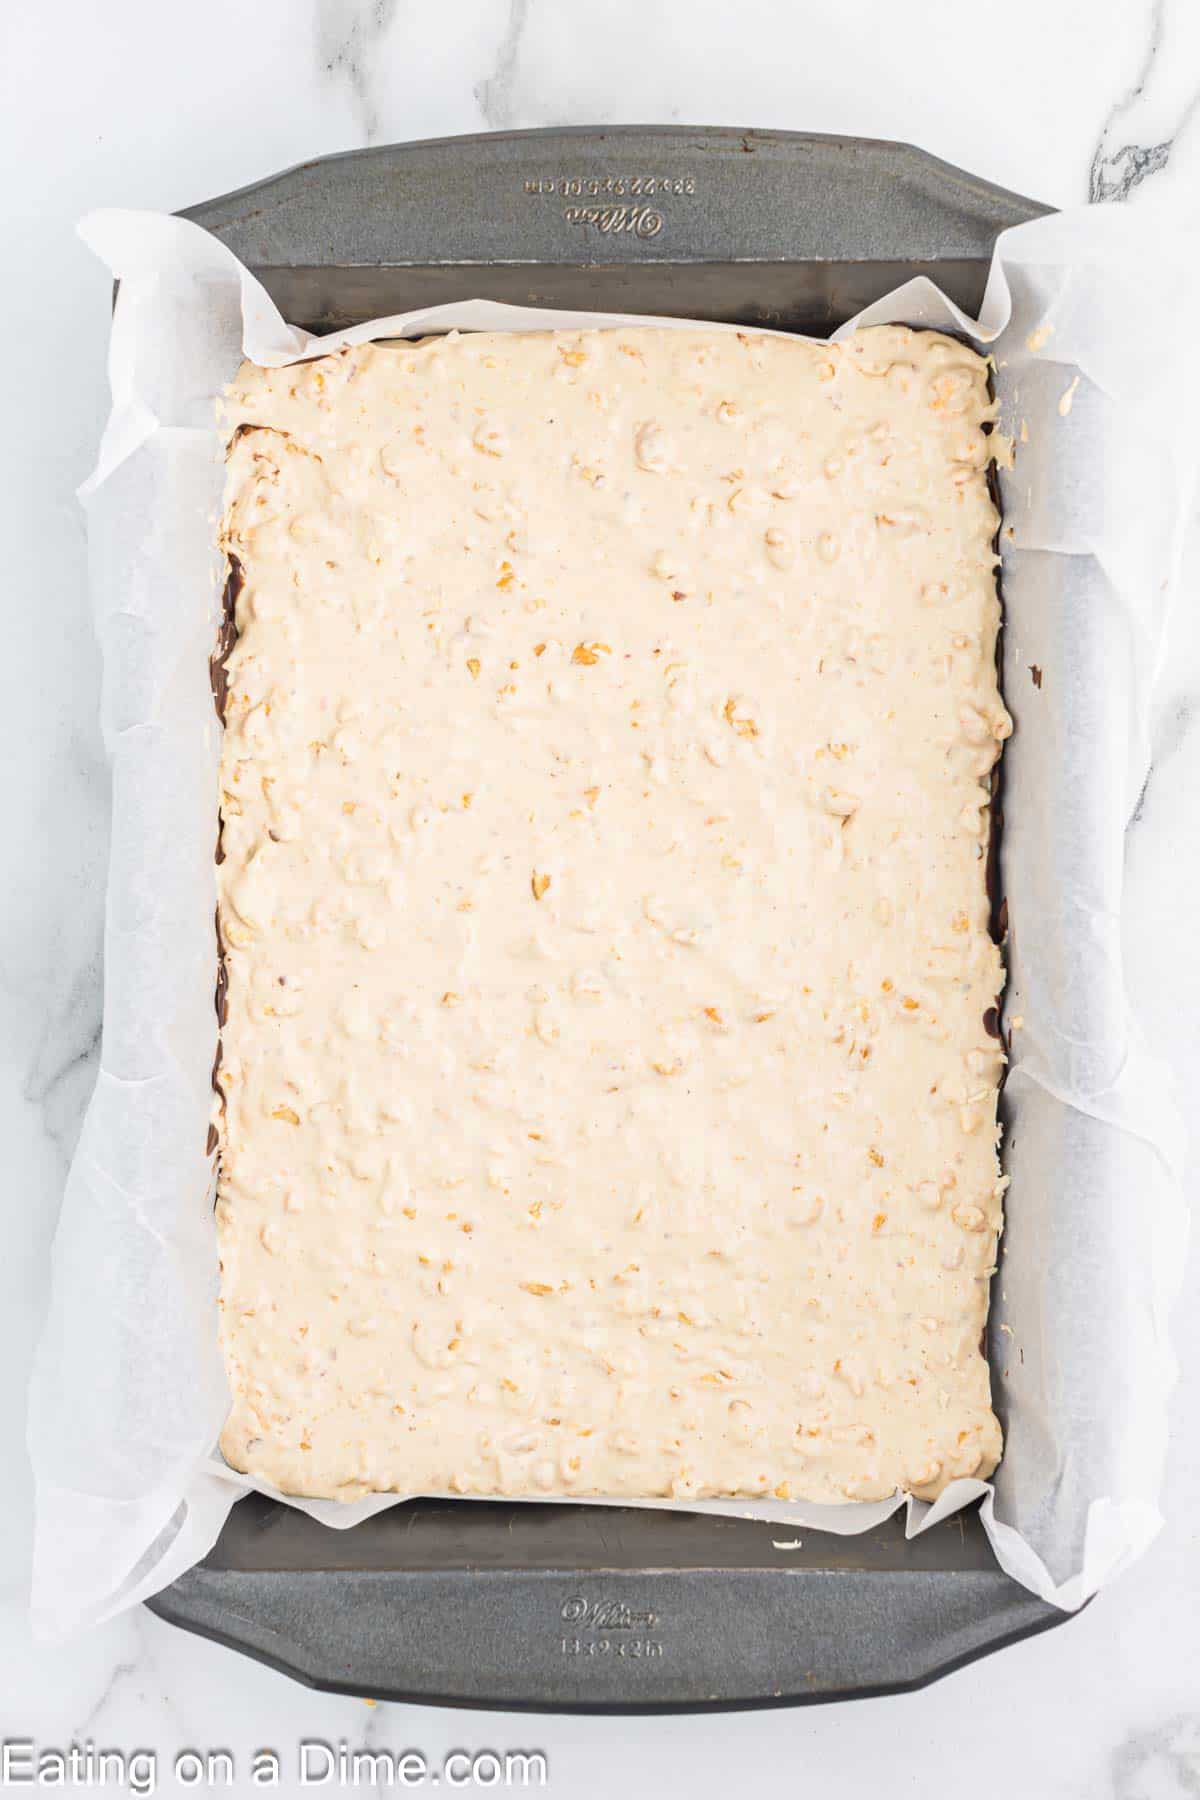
(1141, 128)
(496, 92)
(1161, 1762)
(349, 40)
(1170, 734)
(63, 1070)
(118, 1673)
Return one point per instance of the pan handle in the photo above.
(513, 214)
(609, 1640)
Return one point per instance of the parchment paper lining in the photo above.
(1087, 315)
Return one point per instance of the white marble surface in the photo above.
(140, 104)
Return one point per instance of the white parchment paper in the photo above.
(1090, 318)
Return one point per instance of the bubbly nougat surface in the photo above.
(609, 1104)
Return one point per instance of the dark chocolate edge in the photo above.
(997, 901)
(998, 913)
(218, 674)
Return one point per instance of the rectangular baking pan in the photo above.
(578, 1607)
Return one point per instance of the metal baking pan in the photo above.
(578, 1607)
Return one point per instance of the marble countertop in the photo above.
(142, 105)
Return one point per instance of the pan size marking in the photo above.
(611, 187)
(629, 1649)
(606, 1628)
(614, 204)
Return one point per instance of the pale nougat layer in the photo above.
(608, 1102)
